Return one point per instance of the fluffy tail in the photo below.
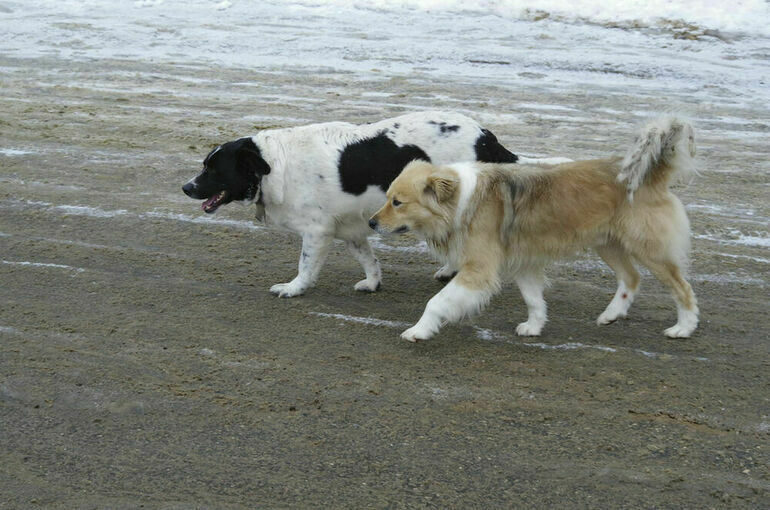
(663, 151)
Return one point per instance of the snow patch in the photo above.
(14, 152)
(569, 346)
(203, 220)
(363, 320)
(42, 264)
(747, 257)
(736, 237)
(95, 212)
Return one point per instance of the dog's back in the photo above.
(550, 211)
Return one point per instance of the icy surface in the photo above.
(718, 49)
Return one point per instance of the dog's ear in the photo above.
(250, 158)
(441, 185)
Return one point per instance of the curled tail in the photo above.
(662, 151)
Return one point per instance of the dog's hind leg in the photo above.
(662, 244)
(315, 248)
(628, 282)
(531, 285)
(363, 253)
(670, 274)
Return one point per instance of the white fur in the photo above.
(531, 285)
(451, 304)
(618, 307)
(467, 174)
(687, 321)
(665, 138)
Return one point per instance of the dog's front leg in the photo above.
(454, 302)
(531, 286)
(315, 247)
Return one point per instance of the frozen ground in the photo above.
(143, 362)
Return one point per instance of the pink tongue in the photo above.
(210, 201)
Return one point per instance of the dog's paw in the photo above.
(416, 333)
(367, 286)
(444, 274)
(679, 331)
(609, 316)
(529, 329)
(287, 290)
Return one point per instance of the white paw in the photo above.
(610, 316)
(529, 329)
(679, 331)
(287, 290)
(367, 286)
(416, 333)
(444, 274)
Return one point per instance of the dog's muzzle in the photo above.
(191, 190)
(374, 225)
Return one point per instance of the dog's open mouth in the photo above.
(214, 202)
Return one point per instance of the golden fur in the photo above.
(520, 218)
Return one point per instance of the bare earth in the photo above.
(144, 364)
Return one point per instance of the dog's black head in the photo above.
(232, 171)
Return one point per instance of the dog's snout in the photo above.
(189, 189)
(372, 223)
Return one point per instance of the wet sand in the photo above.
(144, 363)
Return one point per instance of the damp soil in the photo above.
(144, 364)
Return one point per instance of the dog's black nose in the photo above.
(372, 223)
(188, 189)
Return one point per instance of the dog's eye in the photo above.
(396, 203)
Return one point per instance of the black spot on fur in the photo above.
(375, 161)
(444, 128)
(489, 150)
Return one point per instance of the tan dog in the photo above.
(488, 220)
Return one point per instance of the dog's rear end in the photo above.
(518, 219)
(625, 211)
(651, 226)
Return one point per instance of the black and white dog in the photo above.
(324, 181)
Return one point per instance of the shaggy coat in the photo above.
(489, 220)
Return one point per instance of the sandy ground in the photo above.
(145, 365)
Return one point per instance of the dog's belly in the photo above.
(342, 214)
